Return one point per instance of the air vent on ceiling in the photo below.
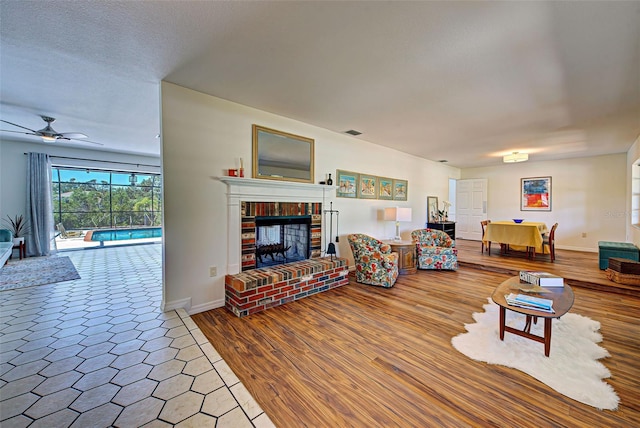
(353, 132)
(443, 161)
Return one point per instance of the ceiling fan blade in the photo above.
(19, 126)
(73, 135)
(16, 132)
(78, 140)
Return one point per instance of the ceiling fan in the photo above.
(48, 134)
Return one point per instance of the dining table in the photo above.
(527, 235)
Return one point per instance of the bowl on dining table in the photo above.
(518, 220)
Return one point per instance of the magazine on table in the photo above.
(530, 302)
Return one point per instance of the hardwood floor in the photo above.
(366, 356)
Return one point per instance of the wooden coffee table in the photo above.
(562, 301)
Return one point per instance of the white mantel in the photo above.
(261, 190)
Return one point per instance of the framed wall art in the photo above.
(347, 184)
(282, 156)
(535, 194)
(385, 188)
(400, 190)
(432, 209)
(368, 187)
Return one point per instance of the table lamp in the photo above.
(397, 214)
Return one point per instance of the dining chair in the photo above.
(550, 241)
(484, 224)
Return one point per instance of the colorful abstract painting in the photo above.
(535, 194)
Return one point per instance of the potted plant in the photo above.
(18, 227)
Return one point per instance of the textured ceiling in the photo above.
(462, 81)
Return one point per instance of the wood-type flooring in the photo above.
(363, 356)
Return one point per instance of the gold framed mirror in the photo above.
(432, 209)
(282, 156)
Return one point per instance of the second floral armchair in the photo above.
(375, 263)
(435, 249)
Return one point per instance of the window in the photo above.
(92, 199)
(635, 194)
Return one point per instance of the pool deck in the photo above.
(81, 242)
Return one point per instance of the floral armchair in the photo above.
(375, 263)
(435, 249)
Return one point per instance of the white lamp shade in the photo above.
(397, 214)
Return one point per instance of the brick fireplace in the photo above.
(297, 197)
(249, 289)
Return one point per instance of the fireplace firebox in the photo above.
(282, 240)
(275, 233)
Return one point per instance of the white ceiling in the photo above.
(462, 81)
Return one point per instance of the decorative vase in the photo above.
(329, 181)
(18, 241)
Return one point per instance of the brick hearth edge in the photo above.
(256, 290)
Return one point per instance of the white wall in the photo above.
(588, 196)
(202, 136)
(13, 168)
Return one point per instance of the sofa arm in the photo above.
(6, 248)
(385, 248)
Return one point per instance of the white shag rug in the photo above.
(572, 367)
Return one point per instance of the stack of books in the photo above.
(530, 302)
(543, 279)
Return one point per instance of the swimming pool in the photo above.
(123, 234)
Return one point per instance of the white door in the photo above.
(471, 208)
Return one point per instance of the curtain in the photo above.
(39, 206)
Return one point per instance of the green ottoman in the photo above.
(623, 250)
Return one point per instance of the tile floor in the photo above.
(98, 352)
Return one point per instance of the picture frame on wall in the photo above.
(400, 190)
(535, 194)
(347, 183)
(368, 187)
(385, 188)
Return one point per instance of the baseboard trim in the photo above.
(570, 248)
(206, 306)
(176, 304)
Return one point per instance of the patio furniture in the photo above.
(70, 234)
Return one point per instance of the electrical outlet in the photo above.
(213, 271)
(584, 234)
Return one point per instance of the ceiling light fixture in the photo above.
(515, 157)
